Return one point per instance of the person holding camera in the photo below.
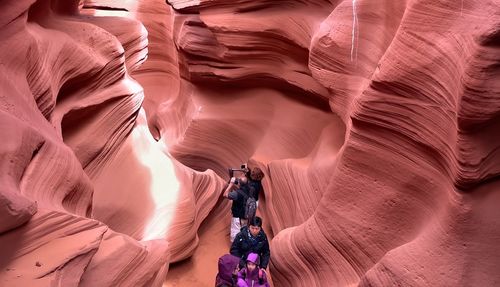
(244, 192)
(238, 191)
(253, 176)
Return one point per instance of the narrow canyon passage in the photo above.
(263, 127)
(375, 124)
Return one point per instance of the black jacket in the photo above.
(243, 245)
(239, 198)
(256, 185)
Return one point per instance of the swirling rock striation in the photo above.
(375, 123)
(67, 106)
(414, 84)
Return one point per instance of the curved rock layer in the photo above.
(375, 122)
(69, 109)
(414, 82)
(174, 199)
(67, 105)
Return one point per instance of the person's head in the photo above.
(252, 260)
(255, 225)
(256, 174)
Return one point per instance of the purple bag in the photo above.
(227, 264)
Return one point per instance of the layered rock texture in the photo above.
(376, 123)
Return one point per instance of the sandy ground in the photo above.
(201, 269)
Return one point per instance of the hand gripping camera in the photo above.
(243, 168)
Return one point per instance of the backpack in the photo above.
(250, 205)
(227, 264)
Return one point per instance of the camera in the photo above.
(243, 168)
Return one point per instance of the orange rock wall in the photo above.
(375, 122)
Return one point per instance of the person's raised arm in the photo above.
(229, 188)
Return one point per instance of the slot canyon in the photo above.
(376, 125)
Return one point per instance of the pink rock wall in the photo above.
(392, 204)
(67, 105)
(375, 122)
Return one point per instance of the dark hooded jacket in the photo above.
(225, 276)
(255, 186)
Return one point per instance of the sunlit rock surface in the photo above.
(375, 122)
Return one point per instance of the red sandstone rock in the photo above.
(67, 105)
(376, 123)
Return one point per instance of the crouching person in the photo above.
(251, 275)
(252, 239)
